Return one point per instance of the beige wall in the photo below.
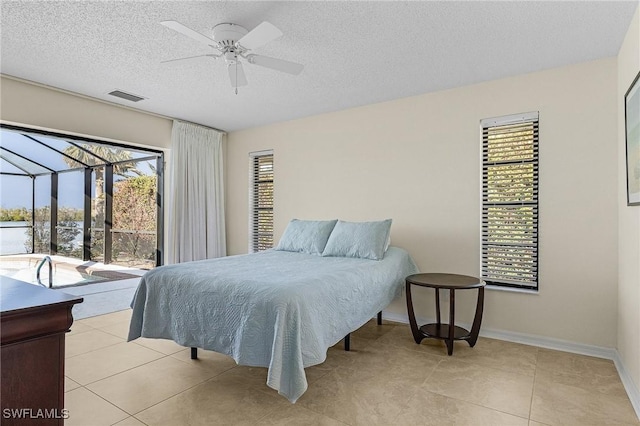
(628, 219)
(417, 160)
(38, 106)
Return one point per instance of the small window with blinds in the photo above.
(510, 201)
(261, 205)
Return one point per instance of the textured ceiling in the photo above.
(355, 53)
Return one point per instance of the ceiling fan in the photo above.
(234, 43)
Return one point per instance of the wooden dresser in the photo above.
(33, 323)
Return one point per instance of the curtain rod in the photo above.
(201, 125)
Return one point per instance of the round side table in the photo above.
(447, 332)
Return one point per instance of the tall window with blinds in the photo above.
(510, 201)
(261, 206)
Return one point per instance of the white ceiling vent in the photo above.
(128, 96)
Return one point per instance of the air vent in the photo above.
(124, 95)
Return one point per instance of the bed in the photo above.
(276, 309)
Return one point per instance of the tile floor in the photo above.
(386, 379)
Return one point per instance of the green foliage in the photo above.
(111, 154)
(134, 218)
(20, 214)
(68, 230)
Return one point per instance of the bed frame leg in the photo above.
(194, 353)
(347, 338)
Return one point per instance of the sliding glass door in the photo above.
(80, 198)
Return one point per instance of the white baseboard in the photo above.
(548, 343)
(629, 385)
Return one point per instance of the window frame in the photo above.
(523, 216)
(254, 233)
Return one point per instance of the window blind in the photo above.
(262, 202)
(510, 201)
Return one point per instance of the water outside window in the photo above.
(15, 214)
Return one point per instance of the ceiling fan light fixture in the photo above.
(231, 57)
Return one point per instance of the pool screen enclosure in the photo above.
(79, 197)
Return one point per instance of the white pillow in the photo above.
(306, 236)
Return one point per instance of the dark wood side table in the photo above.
(447, 332)
(33, 322)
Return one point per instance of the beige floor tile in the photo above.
(78, 327)
(164, 346)
(608, 384)
(427, 408)
(210, 403)
(316, 372)
(336, 356)
(295, 415)
(107, 319)
(590, 368)
(141, 387)
(400, 361)
(70, 384)
(97, 365)
(372, 331)
(356, 400)
(88, 341)
(566, 362)
(87, 409)
(555, 403)
(129, 421)
(534, 423)
(401, 337)
(241, 375)
(119, 329)
(507, 356)
(486, 386)
(373, 390)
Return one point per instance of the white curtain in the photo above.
(196, 222)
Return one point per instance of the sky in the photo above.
(16, 191)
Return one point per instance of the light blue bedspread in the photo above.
(274, 309)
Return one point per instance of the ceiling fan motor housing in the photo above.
(228, 34)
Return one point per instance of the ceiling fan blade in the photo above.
(259, 36)
(177, 26)
(190, 57)
(236, 75)
(276, 64)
